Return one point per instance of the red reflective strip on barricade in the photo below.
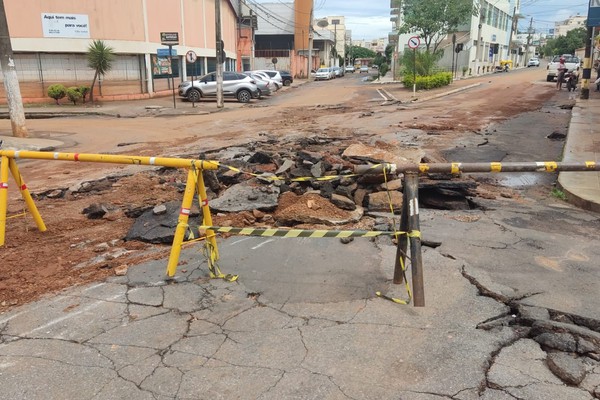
(185, 211)
(76, 156)
(23, 187)
(205, 202)
(3, 185)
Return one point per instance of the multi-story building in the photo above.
(337, 26)
(50, 40)
(483, 41)
(562, 27)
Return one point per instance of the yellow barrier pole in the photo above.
(3, 197)
(112, 159)
(206, 217)
(182, 224)
(12, 164)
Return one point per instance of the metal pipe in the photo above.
(458, 167)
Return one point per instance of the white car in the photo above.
(350, 68)
(571, 62)
(275, 75)
(323, 74)
(533, 62)
(264, 76)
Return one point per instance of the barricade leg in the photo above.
(206, 217)
(182, 224)
(412, 190)
(3, 197)
(12, 164)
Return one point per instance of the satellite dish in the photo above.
(322, 23)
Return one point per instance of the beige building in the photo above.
(337, 26)
(562, 27)
(50, 40)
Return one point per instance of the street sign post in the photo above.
(414, 43)
(170, 39)
(191, 58)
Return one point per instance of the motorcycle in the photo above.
(570, 78)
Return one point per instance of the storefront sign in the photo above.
(65, 25)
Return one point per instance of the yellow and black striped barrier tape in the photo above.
(304, 233)
(273, 178)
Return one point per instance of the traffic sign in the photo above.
(191, 57)
(414, 42)
(169, 38)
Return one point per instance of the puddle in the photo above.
(524, 179)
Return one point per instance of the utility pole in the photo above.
(587, 65)
(220, 54)
(479, 42)
(513, 27)
(310, 44)
(11, 81)
(529, 32)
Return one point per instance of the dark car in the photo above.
(286, 78)
(237, 85)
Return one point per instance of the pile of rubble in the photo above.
(311, 184)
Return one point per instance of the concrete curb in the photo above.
(457, 90)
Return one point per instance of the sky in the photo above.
(371, 19)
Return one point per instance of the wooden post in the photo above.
(411, 188)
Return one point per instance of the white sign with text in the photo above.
(65, 25)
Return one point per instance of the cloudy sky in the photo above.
(371, 19)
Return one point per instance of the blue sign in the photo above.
(594, 13)
(491, 56)
(165, 52)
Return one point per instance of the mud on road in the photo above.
(77, 250)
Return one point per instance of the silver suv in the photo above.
(236, 85)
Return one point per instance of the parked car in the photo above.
(339, 72)
(323, 74)
(265, 86)
(364, 68)
(277, 85)
(286, 78)
(571, 62)
(235, 84)
(275, 75)
(533, 62)
(349, 68)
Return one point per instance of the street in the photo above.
(511, 283)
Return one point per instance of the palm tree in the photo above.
(100, 58)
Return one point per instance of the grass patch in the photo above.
(559, 194)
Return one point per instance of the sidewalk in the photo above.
(583, 188)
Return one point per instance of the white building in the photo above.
(484, 39)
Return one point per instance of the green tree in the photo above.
(360, 52)
(389, 50)
(100, 58)
(74, 94)
(57, 92)
(566, 44)
(434, 19)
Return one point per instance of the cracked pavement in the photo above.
(303, 321)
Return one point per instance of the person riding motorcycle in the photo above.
(562, 68)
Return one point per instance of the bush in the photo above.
(57, 92)
(84, 90)
(383, 69)
(74, 94)
(428, 82)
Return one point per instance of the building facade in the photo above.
(562, 27)
(50, 41)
